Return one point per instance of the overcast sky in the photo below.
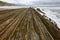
(31, 2)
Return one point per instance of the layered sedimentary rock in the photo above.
(23, 24)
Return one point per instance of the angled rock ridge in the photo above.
(23, 24)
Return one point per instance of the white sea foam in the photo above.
(54, 15)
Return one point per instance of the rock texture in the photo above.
(24, 24)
